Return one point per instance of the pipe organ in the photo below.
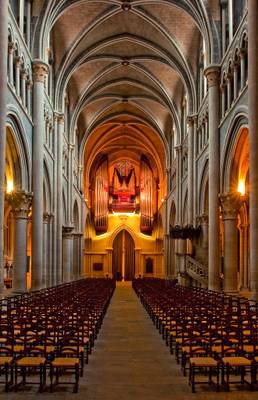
(117, 188)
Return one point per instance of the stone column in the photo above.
(230, 203)
(236, 67)
(242, 67)
(223, 24)
(29, 87)
(178, 184)
(230, 20)
(11, 49)
(20, 202)
(253, 129)
(46, 252)
(77, 259)
(40, 70)
(195, 143)
(190, 121)
(229, 91)
(213, 76)
(204, 222)
(244, 251)
(18, 63)
(67, 253)
(71, 148)
(23, 87)
(3, 97)
(59, 195)
(28, 17)
(223, 100)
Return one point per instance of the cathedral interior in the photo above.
(128, 159)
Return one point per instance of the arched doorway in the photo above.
(123, 265)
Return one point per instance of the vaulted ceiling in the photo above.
(128, 63)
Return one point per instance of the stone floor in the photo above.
(131, 362)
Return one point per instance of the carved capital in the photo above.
(20, 202)
(47, 217)
(242, 52)
(230, 203)
(29, 84)
(39, 71)
(67, 231)
(212, 74)
(18, 61)
(191, 119)
(60, 118)
(11, 48)
(24, 74)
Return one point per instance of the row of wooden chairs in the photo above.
(51, 332)
(207, 331)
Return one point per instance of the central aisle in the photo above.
(130, 360)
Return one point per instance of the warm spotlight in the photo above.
(9, 187)
(241, 187)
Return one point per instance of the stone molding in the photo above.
(39, 71)
(230, 203)
(20, 202)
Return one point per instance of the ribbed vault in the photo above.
(125, 67)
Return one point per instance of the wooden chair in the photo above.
(66, 362)
(6, 366)
(33, 361)
(203, 364)
(234, 363)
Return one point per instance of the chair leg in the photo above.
(16, 378)
(227, 377)
(193, 378)
(77, 375)
(51, 373)
(217, 378)
(6, 377)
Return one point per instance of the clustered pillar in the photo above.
(253, 126)
(40, 71)
(3, 97)
(231, 203)
(20, 202)
(213, 77)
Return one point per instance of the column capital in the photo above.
(212, 73)
(230, 203)
(29, 84)
(47, 217)
(18, 61)
(20, 202)
(59, 117)
(191, 119)
(11, 48)
(24, 74)
(67, 231)
(242, 52)
(39, 71)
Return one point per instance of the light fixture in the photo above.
(241, 187)
(9, 186)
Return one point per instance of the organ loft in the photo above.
(128, 195)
